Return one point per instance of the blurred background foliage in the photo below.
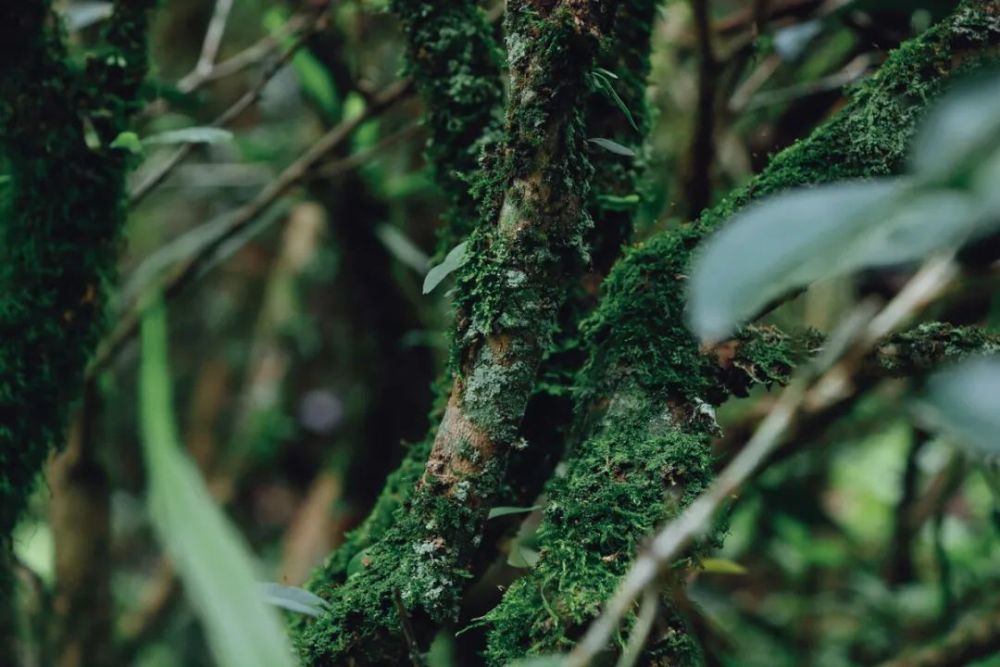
(302, 361)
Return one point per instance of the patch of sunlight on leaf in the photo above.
(212, 560)
(35, 547)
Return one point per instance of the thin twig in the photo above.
(408, 633)
(189, 269)
(640, 632)
(248, 99)
(804, 396)
(213, 36)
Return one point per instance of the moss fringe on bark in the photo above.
(643, 396)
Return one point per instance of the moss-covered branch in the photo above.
(527, 249)
(644, 391)
(455, 63)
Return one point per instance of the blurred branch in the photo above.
(976, 638)
(80, 518)
(190, 269)
(697, 186)
(157, 174)
(213, 38)
(823, 388)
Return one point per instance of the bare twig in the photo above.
(213, 37)
(408, 633)
(824, 387)
(643, 624)
(191, 268)
(248, 99)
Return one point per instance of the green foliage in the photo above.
(765, 251)
(612, 146)
(208, 552)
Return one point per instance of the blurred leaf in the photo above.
(190, 135)
(210, 556)
(963, 125)
(721, 566)
(80, 15)
(964, 402)
(612, 146)
(453, 260)
(505, 511)
(293, 599)
(314, 77)
(523, 557)
(402, 248)
(791, 42)
(789, 241)
(619, 203)
(128, 141)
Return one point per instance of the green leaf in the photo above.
(80, 15)
(618, 203)
(190, 135)
(964, 124)
(128, 141)
(604, 81)
(786, 242)
(453, 260)
(293, 599)
(505, 511)
(211, 558)
(402, 248)
(314, 77)
(721, 566)
(612, 146)
(964, 402)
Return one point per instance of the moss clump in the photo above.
(931, 345)
(62, 214)
(455, 63)
(617, 489)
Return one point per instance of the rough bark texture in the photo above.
(523, 255)
(643, 393)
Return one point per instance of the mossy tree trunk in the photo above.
(61, 216)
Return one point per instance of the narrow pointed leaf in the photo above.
(211, 558)
(612, 146)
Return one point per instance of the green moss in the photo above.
(931, 345)
(60, 222)
(455, 63)
(614, 491)
(643, 391)
(526, 248)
